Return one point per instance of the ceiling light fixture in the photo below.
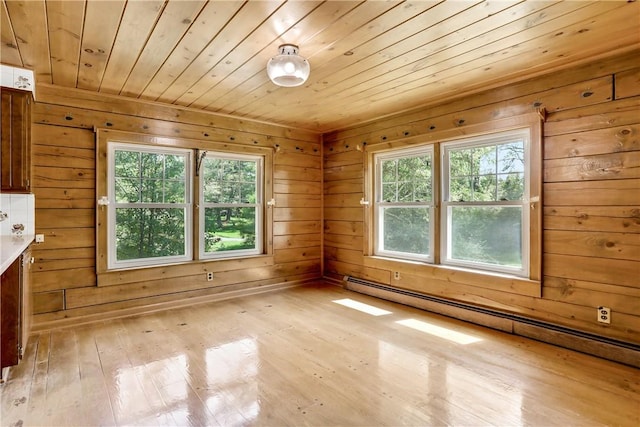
(287, 68)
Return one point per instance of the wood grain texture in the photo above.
(590, 198)
(210, 364)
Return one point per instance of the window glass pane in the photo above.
(229, 181)
(174, 192)
(461, 189)
(484, 188)
(511, 157)
(388, 171)
(127, 164)
(228, 229)
(149, 233)
(127, 190)
(460, 163)
(511, 186)
(406, 230)
(389, 192)
(484, 160)
(151, 191)
(152, 165)
(488, 234)
(174, 167)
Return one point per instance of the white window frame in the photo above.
(259, 207)
(187, 206)
(380, 205)
(493, 139)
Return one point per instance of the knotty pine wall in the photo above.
(591, 199)
(64, 179)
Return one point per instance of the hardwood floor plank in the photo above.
(297, 357)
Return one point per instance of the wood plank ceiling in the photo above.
(368, 59)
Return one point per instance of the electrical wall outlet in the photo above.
(604, 315)
(209, 277)
(39, 238)
(396, 275)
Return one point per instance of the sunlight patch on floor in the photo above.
(360, 306)
(439, 331)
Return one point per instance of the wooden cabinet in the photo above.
(15, 149)
(15, 310)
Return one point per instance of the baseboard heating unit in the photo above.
(607, 348)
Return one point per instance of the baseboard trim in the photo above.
(606, 348)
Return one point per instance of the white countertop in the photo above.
(11, 247)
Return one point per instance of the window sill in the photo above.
(182, 269)
(410, 271)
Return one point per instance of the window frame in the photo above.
(446, 205)
(380, 205)
(529, 283)
(259, 206)
(187, 206)
(195, 266)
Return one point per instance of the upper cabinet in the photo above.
(16, 140)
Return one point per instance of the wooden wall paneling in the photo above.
(282, 256)
(349, 228)
(601, 270)
(620, 192)
(350, 200)
(606, 166)
(64, 177)
(590, 294)
(61, 259)
(339, 269)
(46, 302)
(62, 136)
(609, 219)
(627, 83)
(80, 117)
(599, 116)
(132, 109)
(101, 23)
(296, 241)
(85, 296)
(298, 200)
(63, 279)
(28, 19)
(66, 218)
(293, 214)
(297, 173)
(343, 241)
(50, 156)
(170, 28)
(66, 21)
(8, 44)
(70, 198)
(281, 228)
(622, 246)
(588, 143)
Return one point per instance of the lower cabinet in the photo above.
(15, 310)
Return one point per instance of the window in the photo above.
(166, 201)
(404, 204)
(231, 205)
(485, 202)
(150, 213)
(468, 202)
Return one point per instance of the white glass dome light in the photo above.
(288, 69)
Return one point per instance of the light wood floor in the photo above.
(296, 357)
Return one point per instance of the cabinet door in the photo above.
(10, 290)
(15, 169)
